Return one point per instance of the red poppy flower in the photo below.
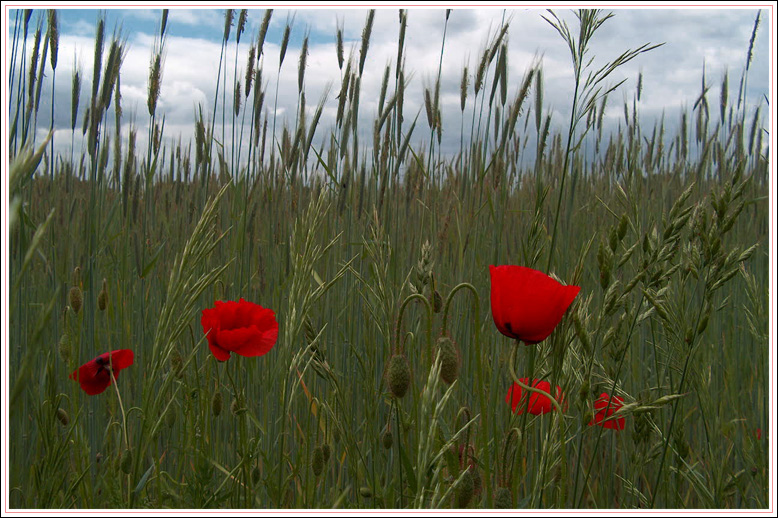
(242, 327)
(527, 304)
(95, 375)
(538, 404)
(604, 411)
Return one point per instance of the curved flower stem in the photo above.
(554, 402)
(476, 304)
(405, 303)
(479, 374)
(466, 412)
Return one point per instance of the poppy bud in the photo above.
(399, 375)
(387, 439)
(76, 298)
(449, 363)
(464, 490)
(325, 450)
(216, 404)
(317, 461)
(102, 297)
(437, 301)
(126, 464)
(255, 474)
(502, 498)
(63, 417)
(365, 492)
(64, 348)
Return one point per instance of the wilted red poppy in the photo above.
(95, 375)
(242, 327)
(605, 411)
(527, 304)
(538, 404)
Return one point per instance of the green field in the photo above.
(371, 248)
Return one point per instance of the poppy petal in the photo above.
(218, 352)
(527, 304)
(241, 327)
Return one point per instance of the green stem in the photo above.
(408, 300)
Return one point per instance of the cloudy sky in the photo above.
(712, 39)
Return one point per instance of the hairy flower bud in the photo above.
(126, 464)
(399, 375)
(464, 490)
(502, 498)
(102, 297)
(449, 363)
(216, 404)
(317, 461)
(387, 439)
(76, 298)
(63, 417)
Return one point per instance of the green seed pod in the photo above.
(216, 404)
(76, 298)
(502, 498)
(325, 451)
(387, 439)
(63, 417)
(64, 348)
(399, 375)
(126, 464)
(437, 301)
(317, 461)
(102, 297)
(255, 475)
(449, 363)
(464, 490)
(365, 492)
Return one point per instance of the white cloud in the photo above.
(671, 73)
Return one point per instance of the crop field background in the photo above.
(375, 252)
